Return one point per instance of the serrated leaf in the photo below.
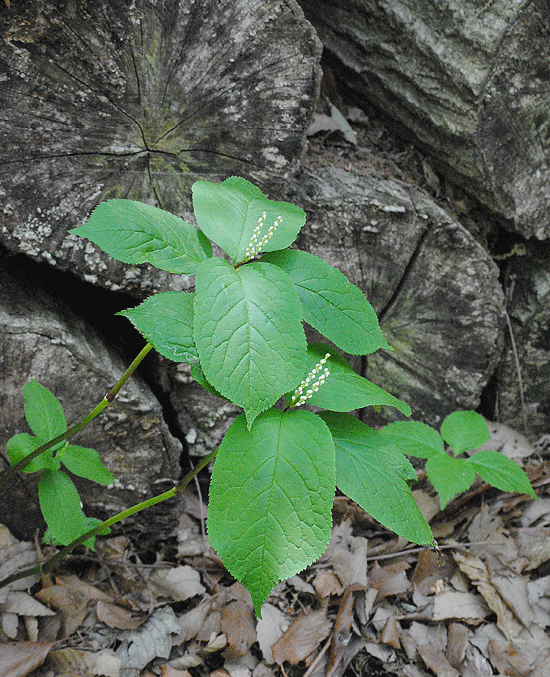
(449, 476)
(248, 332)
(23, 444)
(200, 378)
(228, 213)
(413, 438)
(89, 524)
(464, 430)
(166, 322)
(86, 463)
(345, 390)
(43, 412)
(134, 232)
(332, 304)
(271, 494)
(501, 472)
(60, 506)
(375, 475)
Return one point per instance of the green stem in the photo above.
(105, 402)
(50, 564)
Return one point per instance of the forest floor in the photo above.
(373, 604)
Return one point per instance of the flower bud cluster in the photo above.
(254, 247)
(305, 391)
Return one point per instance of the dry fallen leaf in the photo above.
(302, 638)
(435, 659)
(178, 584)
(21, 658)
(72, 661)
(464, 605)
(269, 628)
(238, 621)
(390, 579)
(115, 616)
(507, 659)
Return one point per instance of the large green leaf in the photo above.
(86, 463)
(133, 232)
(269, 513)
(43, 412)
(332, 304)
(248, 332)
(228, 213)
(413, 438)
(449, 476)
(464, 430)
(166, 321)
(60, 506)
(345, 390)
(501, 472)
(375, 475)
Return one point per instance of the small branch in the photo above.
(7, 474)
(50, 564)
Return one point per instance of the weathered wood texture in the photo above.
(40, 338)
(468, 81)
(137, 99)
(436, 289)
(528, 283)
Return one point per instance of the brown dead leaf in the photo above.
(430, 568)
(238, 622)
(348, 555)
(513, 590)
(342, 634)
(178, 583)
(533, 544)
(507, 659)
(115, 616)
(70, 598)
(23, 604)
(436, 661)
(200, 623)
(390, 579)
(476, 571)
(463, 605)
(302, 638)
(327, 584)
(269, 628)
(21, 658)
(74, 662)
(457, 641)
(488, 536)
(169, 671)
(390, 633)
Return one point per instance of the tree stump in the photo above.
(137, 100)
(467, 81)
(42, 338)
(435, 289)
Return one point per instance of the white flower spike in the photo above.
(300, 397)
(253, 247)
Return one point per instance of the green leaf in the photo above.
(60, 506)
(86, 463)
(133, 232)
(501, 472)
(166, 321)
(248, 332)
(376, 475)
(43, 412)
(200, 378)
(228, 213)
(332, 304)
(89, 524)
(23, 444)
(413, 438)
(271, 494)
(464, 430)
(345, 390)
(449, 476)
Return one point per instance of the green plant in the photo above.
(242, 332)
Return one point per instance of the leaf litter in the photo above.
(373, 603)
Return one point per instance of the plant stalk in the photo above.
(50, 564)
(6, 474)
